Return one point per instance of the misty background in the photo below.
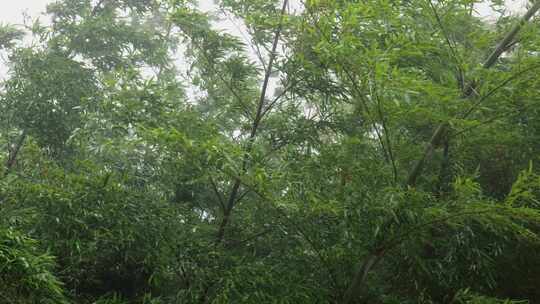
(12, 10)
(19, 12)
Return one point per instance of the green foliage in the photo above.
(8, 36)
(47, 96)
(465, 296)
(111, 34)
(106, 238)
(340, 152)
(525, 190)
(26, 274)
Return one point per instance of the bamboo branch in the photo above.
(428, 152)
(503, 45)
(386, 132)
(451, 46)
(360, 277)
(490, 61)
(362, 272)
(233, 196)
(387, 153)
(217, 193)
(296, 227)
(97, 8)
(12, 158)
(378, 254)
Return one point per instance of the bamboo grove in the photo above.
(312, 151)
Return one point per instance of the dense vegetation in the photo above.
(381, 151)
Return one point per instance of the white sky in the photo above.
(11, 10)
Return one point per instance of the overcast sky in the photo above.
(12, 10)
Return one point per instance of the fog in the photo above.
(12, 11)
